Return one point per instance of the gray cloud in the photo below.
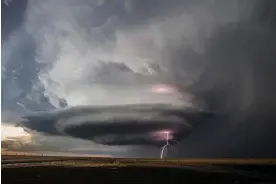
(28, 141)
(236, 83)
(67, 39)
(217, 54)
(118, 125)
(78, 46)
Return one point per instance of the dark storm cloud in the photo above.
(237, 84)
(118, 125)
(12, 17)
(222, 52)
(33, 142)
(19, 68)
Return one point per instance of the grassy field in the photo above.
(34, 160)
(49, 169)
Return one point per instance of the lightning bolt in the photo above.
(167, 144)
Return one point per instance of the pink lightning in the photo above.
(165, 147)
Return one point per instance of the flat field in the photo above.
(25, 160)
(50, 169)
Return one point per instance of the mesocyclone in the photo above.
(119, 125)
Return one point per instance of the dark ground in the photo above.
(20, 169)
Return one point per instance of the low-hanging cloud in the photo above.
(118, 125)
(18, 139)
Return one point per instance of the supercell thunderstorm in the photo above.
(140, 73)
(138, 124)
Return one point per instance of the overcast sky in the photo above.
(64, 53)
